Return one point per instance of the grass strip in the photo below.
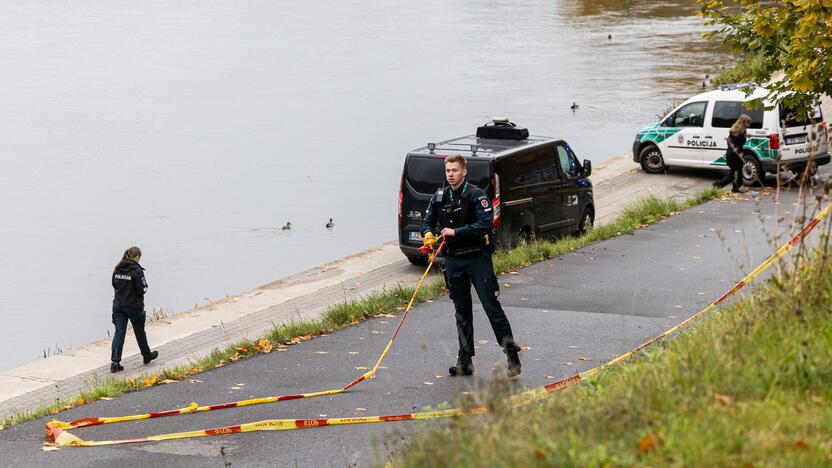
(750, 385)
(392, 301)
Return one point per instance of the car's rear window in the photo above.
(727, 112)
(790, 117)
(426, 174)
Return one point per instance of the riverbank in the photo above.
(193, 335)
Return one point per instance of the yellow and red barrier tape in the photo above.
(57, 431)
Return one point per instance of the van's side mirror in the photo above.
(587, 167)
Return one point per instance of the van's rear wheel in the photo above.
(418, 260)
(752, 171)
(651, 160)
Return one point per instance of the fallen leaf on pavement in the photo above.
(321, 352)
(550, 377)
(235, 388)
(361, 409)
(428, 383)
(194, 381)
(264, 345)
(390, 315)
(506, 285)
(482, 341)
(568, 363)
(376, 332)
(353, 352)
(166, 381)
(583, 358)
(47, 447)
(362, 368)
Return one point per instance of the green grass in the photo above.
(393, 301)
(750, 385)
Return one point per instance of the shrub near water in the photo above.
(750, 385)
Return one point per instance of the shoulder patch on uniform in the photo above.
(484, 203)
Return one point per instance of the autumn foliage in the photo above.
(792, 36)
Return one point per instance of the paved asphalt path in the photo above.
(594, 303)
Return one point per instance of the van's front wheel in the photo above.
(585, 225)
(752, 171)
(651, 160)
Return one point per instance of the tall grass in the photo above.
(392, 301)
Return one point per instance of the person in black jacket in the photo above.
(130, 285)
(464, 215)
(733, 156)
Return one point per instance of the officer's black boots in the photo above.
(115, 367)
(513, 359)
(153, 355)
(464, 366)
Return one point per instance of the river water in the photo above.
(196, 129)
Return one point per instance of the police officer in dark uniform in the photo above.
(129, 286)
(463, 214)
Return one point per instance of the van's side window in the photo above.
(727, 112)
(690, 115)
(535, 167)
(567, 162)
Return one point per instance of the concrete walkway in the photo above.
(189, 335)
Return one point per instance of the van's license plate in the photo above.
(414, 236)
(796, 140)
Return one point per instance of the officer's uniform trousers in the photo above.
(476, 269)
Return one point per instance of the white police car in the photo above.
(695, 133)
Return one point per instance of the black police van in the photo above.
(536, 184)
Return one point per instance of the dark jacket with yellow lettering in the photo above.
(468, 212)
(129, 284)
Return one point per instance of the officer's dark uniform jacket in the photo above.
(129, 284)
(468, 212)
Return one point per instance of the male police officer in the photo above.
(464, 215)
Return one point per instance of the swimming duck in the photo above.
(330, 223)
(287, 226)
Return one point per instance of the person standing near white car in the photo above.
(737, 136)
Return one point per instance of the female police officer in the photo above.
(128, 304)
(464, 215)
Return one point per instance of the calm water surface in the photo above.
(196, 129)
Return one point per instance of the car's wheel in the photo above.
(752, 171)
(586, 222)
(651, 160)
(418, 260)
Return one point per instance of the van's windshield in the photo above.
(426, 174)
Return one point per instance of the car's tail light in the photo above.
(774, 141)
(401, 199)
(496, 203)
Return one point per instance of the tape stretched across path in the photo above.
(58, 431)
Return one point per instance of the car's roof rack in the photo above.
(733, 86)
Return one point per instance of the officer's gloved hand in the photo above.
(429, 239)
